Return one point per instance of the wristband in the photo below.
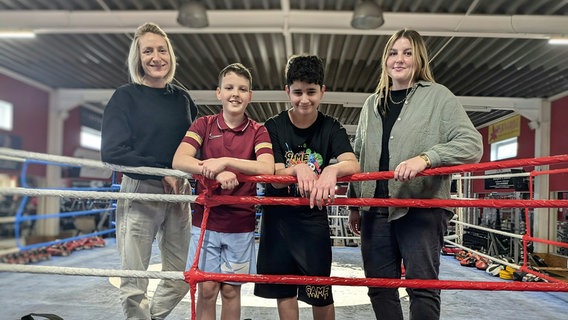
(426, 159)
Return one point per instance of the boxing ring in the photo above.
(194, 276)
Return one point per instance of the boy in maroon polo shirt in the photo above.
(228, 142)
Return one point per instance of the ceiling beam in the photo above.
(70, 98)
(285, 22)
(529, 108)
(25, 80)
(347, 99)
(558, 96)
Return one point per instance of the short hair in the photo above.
(134, 60)
(305, 68)
(421, 70)
(238, 69)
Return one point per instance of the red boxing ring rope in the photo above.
(208, 200)
(390, 202)
(428, 172)
(377, 282)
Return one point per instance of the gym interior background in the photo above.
(497, 56)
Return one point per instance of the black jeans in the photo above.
(416, 239)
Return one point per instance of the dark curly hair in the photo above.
(305, 68)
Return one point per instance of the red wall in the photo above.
(31, 107)
(559, 142)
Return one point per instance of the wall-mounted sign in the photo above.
(517, 183)
(505, 129)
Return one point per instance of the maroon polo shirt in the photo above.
(214, 139)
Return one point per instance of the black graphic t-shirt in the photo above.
(316, 145)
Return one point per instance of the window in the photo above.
(504, 149)
(6, 115)
(90, 138)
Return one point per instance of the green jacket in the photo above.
(433, 122)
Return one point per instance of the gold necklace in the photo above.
(397, 102)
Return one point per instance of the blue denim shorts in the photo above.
(231, 253)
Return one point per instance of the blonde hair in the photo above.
(134, 60)
(421, 69)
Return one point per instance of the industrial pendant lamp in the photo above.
(367, 15)
(192, 14)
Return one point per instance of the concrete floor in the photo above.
(95, 298)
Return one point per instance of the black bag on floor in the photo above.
(48, 316)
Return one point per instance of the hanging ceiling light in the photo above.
(193, 14)
(367, 15)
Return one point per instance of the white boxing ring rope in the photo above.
(500, 261)
(503, 262)
(20, 156)
(163, 275)
(508, 234)
(102, 195)
(492, 176)
(91, 163)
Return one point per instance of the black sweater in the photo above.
(143, 126)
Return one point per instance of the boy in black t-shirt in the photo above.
(295, 240)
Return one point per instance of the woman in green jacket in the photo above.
(408, 125)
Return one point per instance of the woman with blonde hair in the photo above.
(143, 124)
(408, 125)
